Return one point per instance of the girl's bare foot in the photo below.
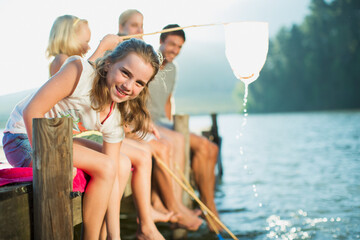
(197, 212)
(158, 216)
(190, 222)
(148, 232)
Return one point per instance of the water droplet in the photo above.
(260, 204)
(245, 166)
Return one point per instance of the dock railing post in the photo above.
(218, 140)
(181, 124)
(52, 178)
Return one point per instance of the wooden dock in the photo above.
(47, 208)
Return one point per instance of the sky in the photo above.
(25, 26)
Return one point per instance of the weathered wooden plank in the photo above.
(213, 135)
(77, 210)
(181, 124)
(16, 211)
(52, 178)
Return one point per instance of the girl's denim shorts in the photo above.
(17, 149)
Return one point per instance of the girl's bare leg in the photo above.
(113, 212)
(102, 171)
(111, 230)
(140, 156)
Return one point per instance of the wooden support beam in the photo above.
(52, 178)
(181, 124)
(213, 135)
(16, 211)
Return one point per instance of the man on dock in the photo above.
(204, 152)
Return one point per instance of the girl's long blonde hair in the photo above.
(62, 39)
(133, 112)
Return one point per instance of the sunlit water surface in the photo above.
(303, 169)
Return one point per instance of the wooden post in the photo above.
(217, 139)
(181, 124)
(213, 135)
(52, 178)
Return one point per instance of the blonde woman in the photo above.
(69, 36)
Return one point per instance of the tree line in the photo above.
(314, 65)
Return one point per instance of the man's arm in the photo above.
(168, 108)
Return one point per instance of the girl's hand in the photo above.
(109, 42)
(154, 130)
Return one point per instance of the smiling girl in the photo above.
(103, 97)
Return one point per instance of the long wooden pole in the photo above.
(159, 161)
(171, 30)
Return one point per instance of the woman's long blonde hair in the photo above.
(126, 15)
(133, 112)
(62, 39)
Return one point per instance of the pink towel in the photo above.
(17, 175)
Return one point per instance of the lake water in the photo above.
(286, 176)
(303, 169)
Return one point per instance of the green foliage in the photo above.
(313, 66)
